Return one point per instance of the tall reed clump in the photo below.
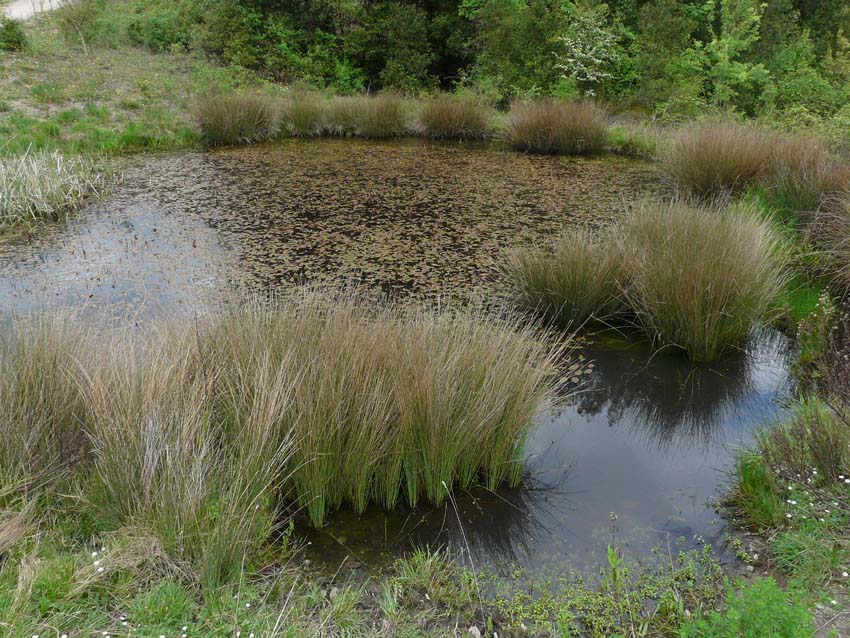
(554, 126)
(372, 116)
(236, 118)
(303, 114)
(698, 278)
(200, 432)
(803, 174)
(445, 116)
(831, 234)
(40, 362)
(394, 403)
(575, 279)
(718, 158)
(43, 186)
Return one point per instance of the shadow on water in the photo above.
(646, 437)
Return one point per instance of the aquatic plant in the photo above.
(303, 114)
(803, 173)
(574, 279)
(698, 277)
(236, 118)
(200, 431)
(40, 185)
(831, 233)
(446, 116)
(377, 116)
(718, 157)
(555, 126)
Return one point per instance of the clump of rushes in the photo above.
(41, 185)
(376, 116)
(573, 280)
(716, 158)
(447, 116)
(303, 114)
(831, 234)
(554, 126)
(699, 277)
(236, 118)
(200, 431)
(803, 173)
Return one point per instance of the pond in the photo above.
(644, 437)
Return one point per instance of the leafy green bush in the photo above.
(760, 610)
(12, 36)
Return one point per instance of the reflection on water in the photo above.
(647, 438)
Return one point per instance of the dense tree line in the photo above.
(666, 56)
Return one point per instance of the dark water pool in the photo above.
(646, 438)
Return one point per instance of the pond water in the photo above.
(644, 437)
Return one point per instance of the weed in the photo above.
(576, 279)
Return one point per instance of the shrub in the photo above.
(236, 118)
(12, 36)
(760, 609)
(803, 173)
(552, 126)
(304, 114)
(717, 158)
(453, 117)
(572, 281)
(43, 186)
(698, 277)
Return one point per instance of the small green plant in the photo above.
(554, 126)
(12, 36)
(48, 93)
(758, 610)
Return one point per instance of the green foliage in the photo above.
(12, 36)
(759, 610)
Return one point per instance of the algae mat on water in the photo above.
(430, 218)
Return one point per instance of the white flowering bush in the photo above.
(590, 48)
